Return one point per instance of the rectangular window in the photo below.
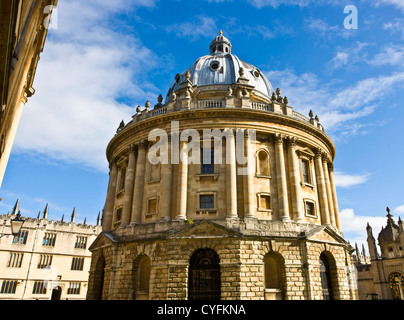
(44, 261)
(306, 171)
(81, 242)
(74, 288)
(207, 166)
(152, 206)
(77, 263)
(265, 202)
(123, 177)
(310, 209)
(8, 287)
(49, 239)
(206, 201)
(21, 237)
(39, 287)
(118, 214)
(15, 260)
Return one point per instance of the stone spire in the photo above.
(73, 214)
(16, 208)
(46, 211)
(99, 218)
(371, 243)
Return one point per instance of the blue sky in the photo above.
(102, 59)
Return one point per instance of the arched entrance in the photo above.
(325, 276)
(396, 282)
(99, 278)
(204, 276)
(56, 293)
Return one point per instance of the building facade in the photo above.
(381, 276)
(47, 259)
(221, 192)
(23, 30)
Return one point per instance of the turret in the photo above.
(371, 243)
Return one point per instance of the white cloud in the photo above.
(340, 109)
(399, 209)
(344, 180)
(86, 68)
(278, 3)
(348, 56)
(354, 226)
(395, 26)
(390, 55)
(397, 3)
(201, 26)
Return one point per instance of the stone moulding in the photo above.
(136, 129)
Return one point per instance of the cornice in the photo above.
(228, 117)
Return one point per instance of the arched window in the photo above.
(273, 277)
(204, 276)
(142, 278)
(325, 276)
(263, 163)
(396, 282)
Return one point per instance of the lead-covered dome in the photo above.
(222, 67)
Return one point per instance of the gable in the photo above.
(324, 234)
(204, 229)
(104, 239)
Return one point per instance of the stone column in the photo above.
(294, 176)
(139, 183)
(231, 176)
(281, 179)
(166, 192)
(321, 188)
(182, 182)
(328, 189)
(249, 208)
(334, 196)
(110, 201)
(129, 185)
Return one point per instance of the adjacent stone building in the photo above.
(222, 191)
(23, 29)
(47, 260)
(381, 277)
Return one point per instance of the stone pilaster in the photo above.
(129, 185)
(139, 183)
(182, 182)
(334, 196)
(231, 177)
(249, 208)
(110, 201)
(294, 176)
(166, 191)
(281, 179)
(328, 189)
(321, 190)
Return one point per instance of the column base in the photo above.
(164, 219)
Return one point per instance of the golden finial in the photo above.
(220, 33)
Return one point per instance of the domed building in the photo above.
(221, 191)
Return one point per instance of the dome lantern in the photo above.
(220, 45)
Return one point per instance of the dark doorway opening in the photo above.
(204, 276)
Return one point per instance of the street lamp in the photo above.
(16, 225)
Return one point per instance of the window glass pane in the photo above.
(207, 166)
(206, 202)
(306, 171)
